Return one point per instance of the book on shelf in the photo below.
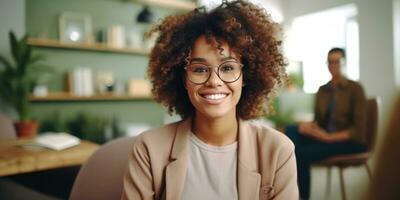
(80, 82)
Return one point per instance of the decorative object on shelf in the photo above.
(145, 15)
(75, 28)
(139, 87)
(40, 90)
(16, 78)
(116, 36)
(104, 82)
(101, 36)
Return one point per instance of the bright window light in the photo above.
(311, 36)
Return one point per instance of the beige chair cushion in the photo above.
(101, 177)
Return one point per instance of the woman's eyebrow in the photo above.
(228, 58)
(198, 59)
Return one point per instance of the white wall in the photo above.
(12, 17)
(396, 44)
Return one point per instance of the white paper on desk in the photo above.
(57, 141)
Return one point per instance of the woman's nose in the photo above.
(214, 79)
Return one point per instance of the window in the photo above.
(311, 36)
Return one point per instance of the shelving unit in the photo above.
(177, 4)
(67, 97)
(49, 43)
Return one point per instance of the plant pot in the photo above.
(26, 129)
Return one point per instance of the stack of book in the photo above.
(81, 82)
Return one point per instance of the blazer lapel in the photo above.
(176, 170)
(249, 179)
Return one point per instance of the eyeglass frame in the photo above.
(341, 61)
(210, 67)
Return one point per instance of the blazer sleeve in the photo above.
(359, 114)
(285, 182)
(138, 178)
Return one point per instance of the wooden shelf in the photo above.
(178, 4)
(49, 43)
(65, 97)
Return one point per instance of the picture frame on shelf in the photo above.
(75, 28)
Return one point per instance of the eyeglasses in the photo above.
(336, 62)
(228, 72)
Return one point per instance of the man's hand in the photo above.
(312, 130)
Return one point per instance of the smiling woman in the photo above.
(216, 69)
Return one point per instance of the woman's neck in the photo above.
(218, 131)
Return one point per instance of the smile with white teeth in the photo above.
(214, 96)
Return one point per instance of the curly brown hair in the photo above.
(249, 32)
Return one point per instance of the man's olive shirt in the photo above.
(349, 111)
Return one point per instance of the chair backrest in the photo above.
(101, 177)
(7, 129)
(372, 122)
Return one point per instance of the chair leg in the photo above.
(328, 181)
(368, 170)
(342, 183)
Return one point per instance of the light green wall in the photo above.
(12, 17)
(42, 21)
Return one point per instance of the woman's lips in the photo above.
(214, 98)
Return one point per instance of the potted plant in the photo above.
(16, 79)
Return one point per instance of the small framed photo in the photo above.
(75, 28)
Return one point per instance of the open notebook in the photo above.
(56, 141)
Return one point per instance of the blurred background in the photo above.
(90, 76)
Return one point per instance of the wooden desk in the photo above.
(15, 160)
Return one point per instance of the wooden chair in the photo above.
(7, 130)
(355, 159)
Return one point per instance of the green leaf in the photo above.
(36, 58)
(25, 57)
(14, 46)
(5, 62)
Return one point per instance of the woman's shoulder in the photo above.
(159, 135)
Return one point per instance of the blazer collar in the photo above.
(248, 176)
(176, 170)
(341, 84)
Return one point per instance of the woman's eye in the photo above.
(199, 69)
(227, 68)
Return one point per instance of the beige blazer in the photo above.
(158, 162)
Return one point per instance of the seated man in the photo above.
(338, 128)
